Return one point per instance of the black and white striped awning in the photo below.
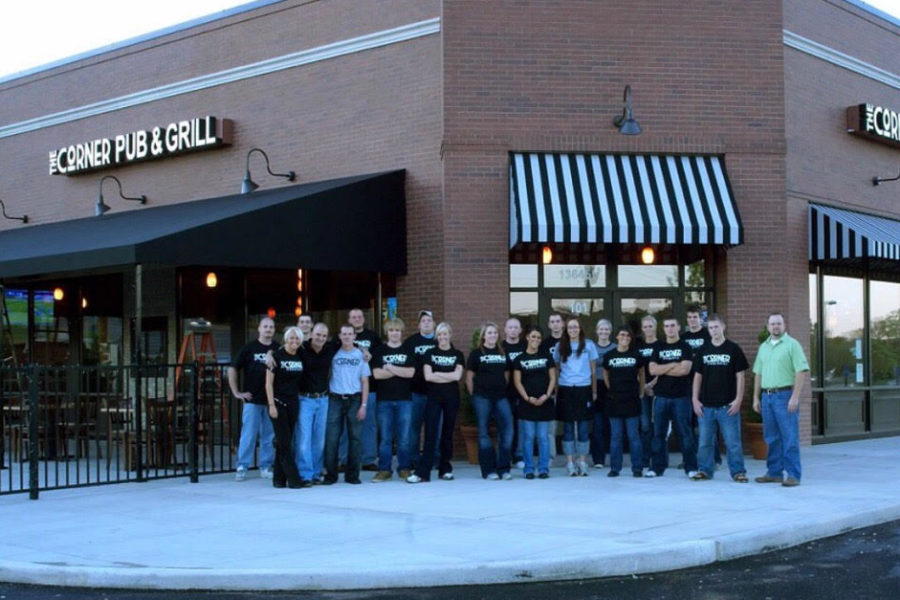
(620, 199)
(835, 233)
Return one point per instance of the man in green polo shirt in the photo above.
(779, 370)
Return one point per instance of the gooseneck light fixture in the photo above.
(23, 218)
(625, 122)
(880, 180)
(101, 205)
(249, 185)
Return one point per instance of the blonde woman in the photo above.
(283, 396)
(487, 379)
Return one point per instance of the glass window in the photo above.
(648, 276)
(574, 276)
(695, 274)
(524, 305)
(884, 332)
(632, 310)
(814, 375)
(587, 310)
(843, 323)
(523, 276)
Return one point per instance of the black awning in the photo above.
(611, 198)
(836, 234)
(349, 224)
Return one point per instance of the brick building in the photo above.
(441, 146)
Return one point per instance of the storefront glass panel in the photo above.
(574, 276)
(814, 375)
(632, 310)
(884, 332)
(843, 323)
(524, 305)
(695, 274)
(587, 310)
(644, 276)
(523, 276)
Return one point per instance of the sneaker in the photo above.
(352, 481)
(404, 473)
(492, 477)
(612, 474)
(637, 474)
(699, 476)
(520, 464)
(544, 476)
(582, 468)
(382, 476)
(741, 478)
(692, 474)
(768, 479)
(571, 470)
(790, 482)
(649, 473)
(598, 465)
(529, 476)
(266, 473)
(306, 483)
(279, 484)
(413, 479)
(447, 476)
(506, 476)
(240, 474)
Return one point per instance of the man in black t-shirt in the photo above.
(255, 422)
(696, 334)
(717, 392)
(671, 363)
(393, 367)
(646, 347)
(317, 355)
(419, 343)
(557, 328)
(367, 340)
(513, 346)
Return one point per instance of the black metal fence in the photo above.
(72, 426)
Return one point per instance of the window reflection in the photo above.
(574, 276)
(843, 324)
(695, 274)
(523, 276)
(524, 306)
(814, 375)
(648, 276)
(884, 332)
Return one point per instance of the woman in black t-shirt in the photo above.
(282, 392)
(443, 368)
(623, 373)
(487, 377)
(534, 377)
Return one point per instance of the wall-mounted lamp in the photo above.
(648, 255)
(211, 279)
(546, 255)
(880, 180)
(271, 313)
(84, 303)
(23, 218)
(625, 122)
(58, 294)
(249, 185)
(102, 207)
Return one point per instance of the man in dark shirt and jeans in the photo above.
(671, 363)
(316, 355)
(255, 422)
(718, 390)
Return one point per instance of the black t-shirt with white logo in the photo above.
(512, 351)
(535, 375)
(252, 359)
(489, 366)
(646, 351)
(719, 366)
(392, 388)
(367, 340)
(418, 345)
(695, 339)
(623, 398)
(443, 361)
(288, 375)
(667, 385)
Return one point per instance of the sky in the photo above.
(38, 32)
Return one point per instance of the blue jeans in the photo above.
(490, 461)
(342, 412)
(369, 436)
(415, 429)
(311, 439)
(646, 428)
(528, 431)
(394, 417)
(579, 445)
(255, 423)
(678, 410)
(781, 431)
(599, 435)
(730, 425)
(618, 426)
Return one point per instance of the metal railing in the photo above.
(72, 426)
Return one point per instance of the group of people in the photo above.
(320, 406)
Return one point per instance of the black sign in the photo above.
(190, 135)
(874, 122)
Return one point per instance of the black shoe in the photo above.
(612, 474)
(279, 484)
(295, 485)
(353, 481)
(305, 483)
(370, 467)
(544, 476)
(329, 481)
(341, 468)
(637, 474)
(529, 476)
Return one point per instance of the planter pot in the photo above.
(753, 441)
(470, 438)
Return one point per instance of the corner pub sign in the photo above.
(189, 135)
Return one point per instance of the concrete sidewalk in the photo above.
(219, 534)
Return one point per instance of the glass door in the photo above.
(631, 307)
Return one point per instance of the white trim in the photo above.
(257, 69)
(835, 57)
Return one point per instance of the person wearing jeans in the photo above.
(367, 341)
(534, 378)
(418, 344)
(577, 359)
(600, 433)
(487, 377)
(393, 367)
(671, 363)
(779, 372)
(645, 347)
(717, 393)
(623, 374)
